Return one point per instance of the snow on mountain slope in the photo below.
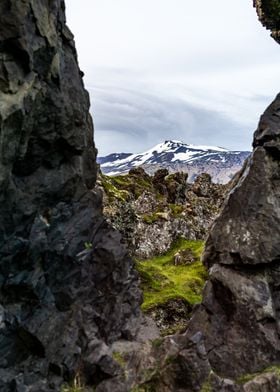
(175, 155)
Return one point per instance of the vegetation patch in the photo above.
(163, 281)
(154, 217)
(76, 386)
(130, 184)
(119, 358)
(177, 209)
(112, 191)
(250, 376)
(206, 387)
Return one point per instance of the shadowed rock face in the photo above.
(66, 283)
(241, 302)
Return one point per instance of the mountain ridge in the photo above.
(176, 155)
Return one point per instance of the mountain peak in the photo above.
(176, 155)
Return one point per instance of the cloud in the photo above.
(128, 120)
(198, 71)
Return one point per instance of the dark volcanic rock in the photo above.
(67, 286)
(269, 14)
(239, 315)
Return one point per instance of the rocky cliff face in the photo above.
(67, 288)
(242, 253)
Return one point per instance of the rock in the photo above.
(268, 382)
(139, 172)
(269, 15)
(159, 181)
(146, 203)
(176, 185)
(66, 280)
(160, 212)
(172, 316)
(184, 257)
(202, 186)
(251, 217)
(239, 315)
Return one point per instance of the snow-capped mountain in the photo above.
(175, 155)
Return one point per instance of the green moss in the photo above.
(153, 217)
(176, 209)
(74, 387)
(206, 387)
(88, 245)
(157, 342)
(150, 387)
(250, 376)
(112, 191)
(119, 358)
(163, 281)
(151, 377)
(170, 359)
(150, 218)
(135, 186)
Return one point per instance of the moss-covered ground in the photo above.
(163, 281)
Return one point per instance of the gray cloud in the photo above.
(132, 121)
(166, 69)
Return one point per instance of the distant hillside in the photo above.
(176, 156)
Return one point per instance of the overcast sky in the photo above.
(197, 71)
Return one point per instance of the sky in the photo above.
(198, 71)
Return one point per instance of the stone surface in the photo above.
(67, 286)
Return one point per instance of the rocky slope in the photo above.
(152, 212)
(176, 156)
(67, 287)
(164, 220)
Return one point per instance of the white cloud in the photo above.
(188, 57)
